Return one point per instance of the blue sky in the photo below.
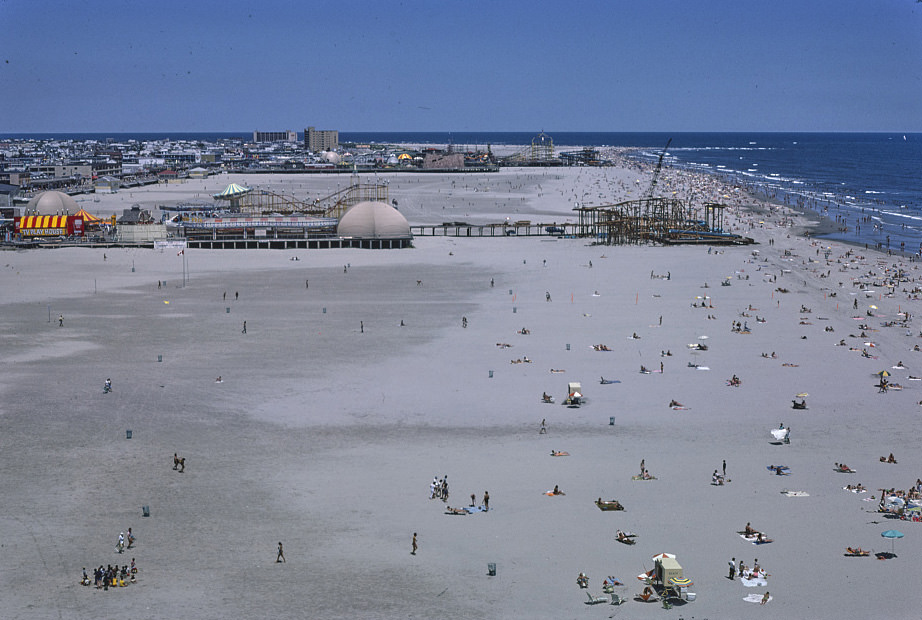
(644, 65)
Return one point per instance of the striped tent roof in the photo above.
(233, 191)
(682, 583)
(87, 216)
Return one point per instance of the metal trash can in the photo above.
(611, 421)
(491, 569)
(491, 374)
(227, 310)
(128, 434)
(145, 511)
(159, 358)
(568, 347)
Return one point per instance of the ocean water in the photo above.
(869, 183)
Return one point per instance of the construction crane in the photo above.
(659, 166)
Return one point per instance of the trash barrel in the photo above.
(159, 358)
(611, 421)
(568, 347)
(514, 309)
(227, 310)
(128, 434)
(491, 569)
(491, 374)
(145, 511)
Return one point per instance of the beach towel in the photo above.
(754, 582)
(755, 539)
(787, 493)
(756, 598)
(679, 408)
(639, 477)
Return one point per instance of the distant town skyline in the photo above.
(713, 65)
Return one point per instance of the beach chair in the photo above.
(595, 600)
(616, 599)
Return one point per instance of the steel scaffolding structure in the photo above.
(655, 220)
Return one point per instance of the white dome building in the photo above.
(52, 203)
(375, 225)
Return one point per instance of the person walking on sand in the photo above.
(244, 327)
(281, 555)
(765, 598)
(175, 461)
(543, 429)
(732, 574)
(725, 468)
(415, 546)
(362, 326)
(61, 320)
(486, 501)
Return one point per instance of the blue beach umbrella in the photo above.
(892, 535)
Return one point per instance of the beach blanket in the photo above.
(552, 494)
(787, 493)
(785, 470)
(560, 453)
(639, 477)
(753, 582)
(854, 490)
(756, 598)
(679, 408)
(755, 539)
(702, 367)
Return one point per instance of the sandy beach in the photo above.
(355, 384)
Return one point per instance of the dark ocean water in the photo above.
(869, 179)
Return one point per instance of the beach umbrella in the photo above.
(883, 373)
(872, 307)
(892, 535)
(660, 556)
(681, 583)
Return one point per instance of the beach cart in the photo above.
(666, 568)
(574, 394)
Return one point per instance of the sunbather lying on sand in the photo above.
(624, 538)
(557, 491)
(843, 468)
(888, 459)
(559, 453)
(675, 403)
(857, 551)
(456, 511)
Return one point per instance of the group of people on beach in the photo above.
(111, 576)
